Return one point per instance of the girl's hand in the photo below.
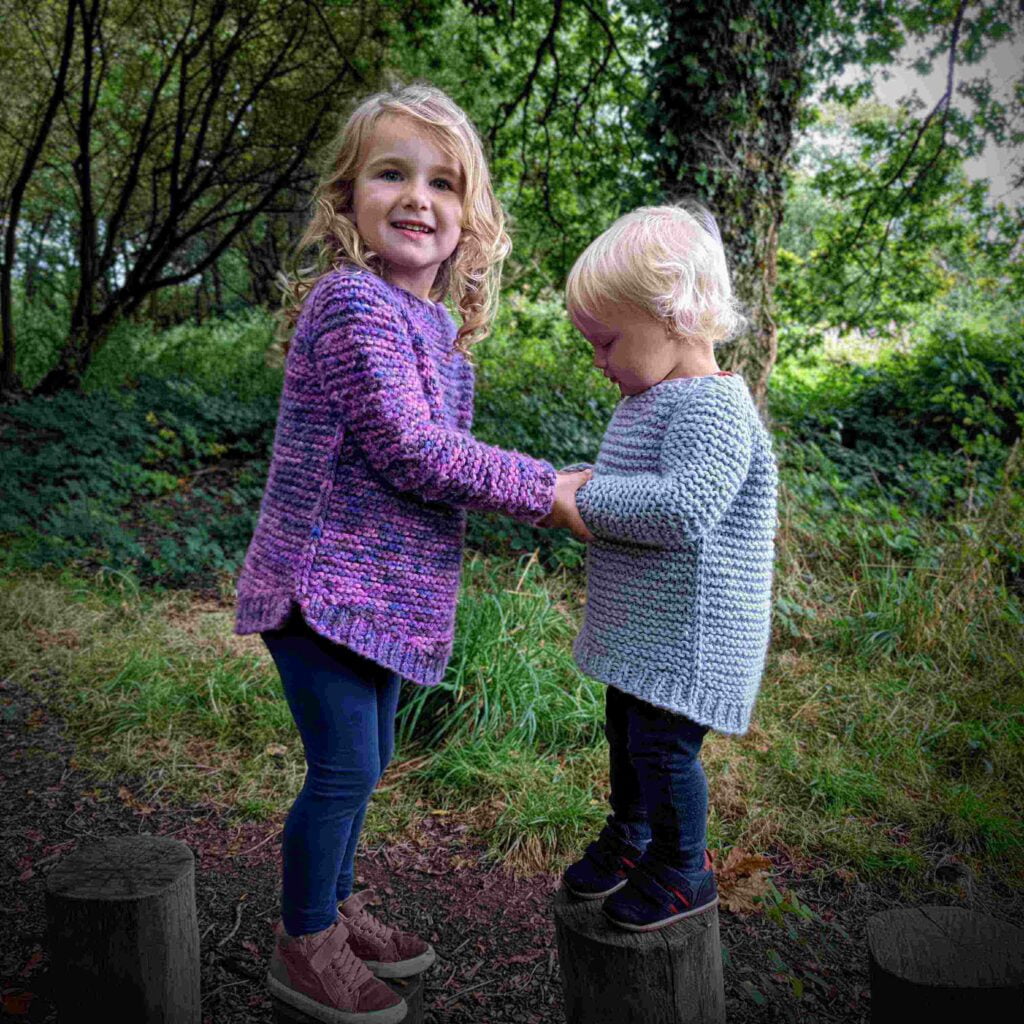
(564, 514)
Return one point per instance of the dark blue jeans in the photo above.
(344, 707)
(659, 790)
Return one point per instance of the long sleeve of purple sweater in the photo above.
(384, 388)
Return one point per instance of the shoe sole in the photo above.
(594, 895)
(328, 1014)
(403, 968)
(655, 925)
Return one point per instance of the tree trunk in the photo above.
(122, 934)
(727, 84)
(944, 961)
(10, 211)
(671, 975)
(10, 384)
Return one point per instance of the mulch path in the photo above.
(493, 932)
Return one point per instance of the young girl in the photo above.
(682, 506)
(352, 573)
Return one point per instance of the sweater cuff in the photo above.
(543, 496)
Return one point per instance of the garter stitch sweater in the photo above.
(682, 505)
(363, 516)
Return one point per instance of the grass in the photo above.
(889, 728)
(864, 755)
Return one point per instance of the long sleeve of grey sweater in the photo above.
(682, 505)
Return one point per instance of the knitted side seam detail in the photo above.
(263, 612)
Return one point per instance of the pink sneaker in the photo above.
(388, 952)
(320, 975)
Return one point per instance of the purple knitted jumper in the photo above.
(363, 516)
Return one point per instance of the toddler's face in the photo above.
(407, 203)
(632, 348)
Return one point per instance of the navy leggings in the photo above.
(659, 790)
(344, 707)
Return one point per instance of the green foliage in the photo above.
(931, 426)
(858, 250)
(556, 110)
(226, 356)
(114, 477)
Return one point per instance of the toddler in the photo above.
(352, 572)
(682, 506)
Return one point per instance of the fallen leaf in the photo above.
(132, 802)
(32, 963)
(16, 1001)
(275, 749)
(742, 878)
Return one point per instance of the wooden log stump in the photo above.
(410, 989)
(943, 959)
(610, 976)
(122, 932)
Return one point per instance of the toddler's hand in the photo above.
(564, 514)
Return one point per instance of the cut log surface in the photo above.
(122, 932)
(610, 976)
(410, 989)
(943, 957)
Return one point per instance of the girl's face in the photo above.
(407, 203)
(632, 348)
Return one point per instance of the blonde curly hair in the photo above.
(471, 276)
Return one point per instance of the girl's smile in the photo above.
(407, 203)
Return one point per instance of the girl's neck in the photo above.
(418, 284)
(695, 362)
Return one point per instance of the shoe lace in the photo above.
(365, 921)
(348, 968)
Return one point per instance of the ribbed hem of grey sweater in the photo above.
(664, 690)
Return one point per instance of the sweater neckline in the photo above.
(438, 308)
(726, 374)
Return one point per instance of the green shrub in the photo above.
(931, 426)
(116, 477)
(219, 356)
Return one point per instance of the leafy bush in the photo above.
(117, 476)
(219, 356)
(929, 425)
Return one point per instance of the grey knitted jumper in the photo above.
(682, 505)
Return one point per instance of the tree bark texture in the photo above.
(122, 932)
(940, 960)
(610, 976)
(727, 82)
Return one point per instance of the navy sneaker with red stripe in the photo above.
(603, 866)
(656, 895)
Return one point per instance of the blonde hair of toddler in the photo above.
(665, 260)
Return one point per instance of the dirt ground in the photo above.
(493, 933)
